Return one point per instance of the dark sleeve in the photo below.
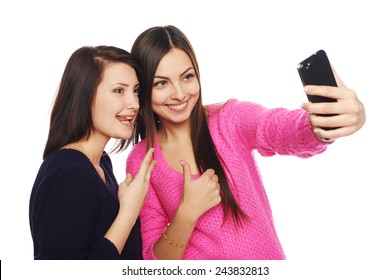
(65, 217)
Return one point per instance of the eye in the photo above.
(189, 76)
(160, 83)
(136, 90)
(119, 90)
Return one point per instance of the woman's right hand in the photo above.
(131, 196)
(199, 195)
(132, 191)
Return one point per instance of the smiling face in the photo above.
(116, 102)
(175, 88)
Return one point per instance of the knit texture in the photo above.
(71, 209)
(237, 128)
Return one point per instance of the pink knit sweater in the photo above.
(237, 129)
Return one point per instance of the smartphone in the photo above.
(316, 70)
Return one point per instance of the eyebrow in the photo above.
(122, 84)
(162, 77)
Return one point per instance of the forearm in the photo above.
(120, 229)
(177, 236)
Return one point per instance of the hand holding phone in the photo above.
(316, 70)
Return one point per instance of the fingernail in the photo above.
(181, 162)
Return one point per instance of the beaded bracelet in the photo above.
(170, 242)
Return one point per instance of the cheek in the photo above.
(108, 108)
(159, 97)
(192, 89)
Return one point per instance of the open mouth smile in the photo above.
(126, 119)
(177, 107)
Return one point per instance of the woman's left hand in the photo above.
(349, 113)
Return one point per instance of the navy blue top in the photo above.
(71, 209)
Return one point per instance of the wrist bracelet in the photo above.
(171, 243)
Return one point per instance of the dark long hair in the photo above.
(149, 48)
(71, 115)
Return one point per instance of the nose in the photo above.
(132, 102)
(178, 92)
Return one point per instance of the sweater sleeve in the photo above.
(153, 217)
(271, 131)
(66, 209)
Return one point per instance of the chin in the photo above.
(124, 136)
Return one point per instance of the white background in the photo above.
(331, 211)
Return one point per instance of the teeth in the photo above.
(178, 107)
(125, 119)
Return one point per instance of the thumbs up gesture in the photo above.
(199, 195)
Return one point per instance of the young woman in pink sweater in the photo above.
(206, 198)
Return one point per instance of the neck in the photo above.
(93, 148)
(174, 133)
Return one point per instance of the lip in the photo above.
(179, 107)
(126, 120)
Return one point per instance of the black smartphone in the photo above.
(316, 70)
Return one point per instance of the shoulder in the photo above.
(230, 104)
(66, 167)
(137, 153)
(66, 159)
(138, 149)
(233, 107)
(63, 155)
(216, 107)
(65, 175)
